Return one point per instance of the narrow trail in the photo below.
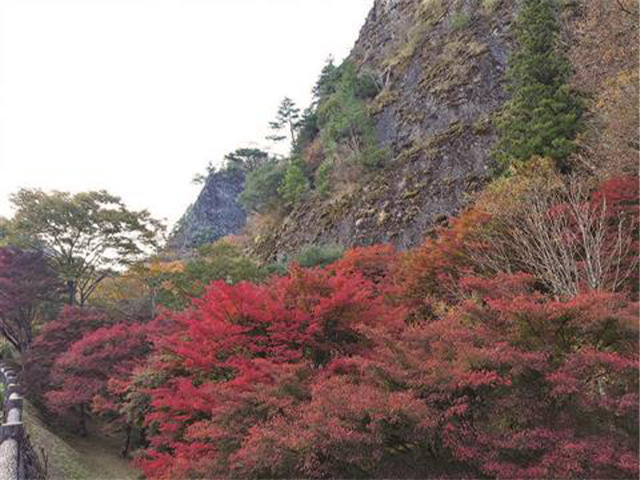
(77, 458)
(101, 459)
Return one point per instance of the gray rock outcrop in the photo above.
(215, 214)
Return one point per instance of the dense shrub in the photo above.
(319, 255)
(256, 348)
(509, 383)
(344, 119)
(54, 339)
(81, 374)
(175, 285)
(261, 187)
(294, 185)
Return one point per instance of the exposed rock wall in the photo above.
(442, 64)
(215, 214)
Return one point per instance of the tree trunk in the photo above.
(83, 421)
(71, 292)
(127, 441)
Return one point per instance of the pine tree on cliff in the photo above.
(287, 119)
(542, 116)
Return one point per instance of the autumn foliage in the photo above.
(54, 339)
(432, 363)
(81, 374)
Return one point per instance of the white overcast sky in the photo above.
(136, 96)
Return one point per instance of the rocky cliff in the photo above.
(441, 65)
(215, 214)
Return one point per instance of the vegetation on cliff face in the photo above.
(401, 132)
(503, 345)
(541, 117)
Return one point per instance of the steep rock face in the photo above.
(215, 214)
(442, 64)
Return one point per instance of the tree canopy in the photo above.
(86, 236)
(26, 281)
(247, 159)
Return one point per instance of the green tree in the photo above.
(307, 130)
(87, 236)
(286, 120)
(542, 116)
(261, 187)
(247, 159)
(323, 178)
(216, 261)
(294, 184)
(328, 81)
(345, 120)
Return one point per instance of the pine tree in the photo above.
(542, 116)
(328, 82)
(287, 119)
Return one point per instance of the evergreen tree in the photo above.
(542, 116)
(344, 118)
(261, 187)
(307, 130)
(247, 159)
(294, 184)
(287, 119)
(328, 82)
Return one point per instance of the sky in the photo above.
(138, 96)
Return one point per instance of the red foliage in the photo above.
(82, 373)
(512, 385)
(433, 270)
(620, 194)
(54, 339)
(621, 199)
(317, 375)
(244, 354)
(376, 263)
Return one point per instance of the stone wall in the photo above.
(17, 459)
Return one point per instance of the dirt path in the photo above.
(76, 458)
(101, 459)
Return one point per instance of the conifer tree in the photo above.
(542, 116)
(287, 119)
(328, 82)
(294, 184)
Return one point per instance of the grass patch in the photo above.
(460, 20)
(73, 458)
(62, 461)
